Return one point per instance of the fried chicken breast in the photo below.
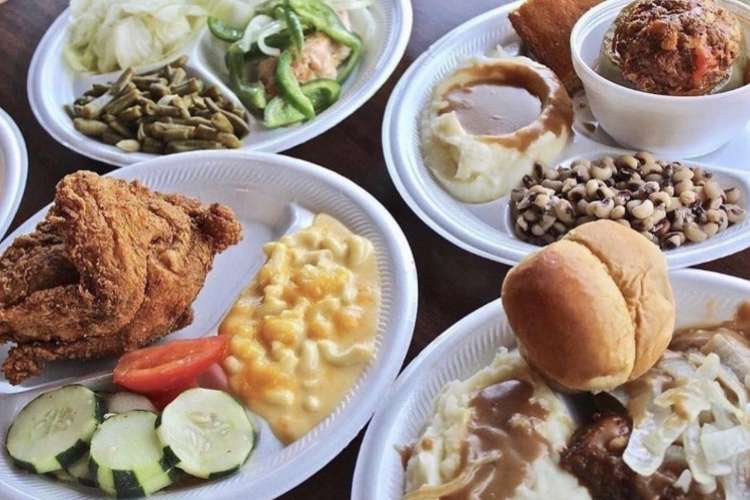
(112, 267)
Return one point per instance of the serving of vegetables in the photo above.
(289, 62)
(120, 442)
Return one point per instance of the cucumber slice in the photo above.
(127, 459)
(54, 430)
(81, 472)
(122, 402)
(208, 431)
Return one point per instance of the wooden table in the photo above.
(452, 282)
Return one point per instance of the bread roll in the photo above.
(594, 309)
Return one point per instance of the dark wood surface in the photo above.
(452, 282)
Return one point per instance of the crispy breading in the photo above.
(545, 26)
(112, 267)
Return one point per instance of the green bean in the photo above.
(290, 88)
(223, 31)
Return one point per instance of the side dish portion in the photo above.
(112, 267)
(669, 203)
(490, 121)
(497, 434)
(304, 329)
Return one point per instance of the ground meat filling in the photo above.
(594, 456)
(677, 47)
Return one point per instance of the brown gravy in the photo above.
(738, 328)
(489, 108)
(493, 430)
(556, 106)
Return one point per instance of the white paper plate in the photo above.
(13, 169)
(485, 229)
(266, 192)
(470, 345)
(52, 84)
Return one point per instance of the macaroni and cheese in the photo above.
(304, 329)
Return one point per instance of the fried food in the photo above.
(545, 26)
(112, 267)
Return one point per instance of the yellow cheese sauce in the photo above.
(303, 330)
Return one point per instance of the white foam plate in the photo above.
(270, 194)
(13, 169)
(470, 345)
(52, 84)
(485, 229)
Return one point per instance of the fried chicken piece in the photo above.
(112, 267)
(545, 26)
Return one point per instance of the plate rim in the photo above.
(398, 162)
(16, 168)
(369, 457)
(296, 136)
(316, 456)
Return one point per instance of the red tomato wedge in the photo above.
(170, 366)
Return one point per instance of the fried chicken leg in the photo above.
(112, 267)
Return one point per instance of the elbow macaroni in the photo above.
(304, 329)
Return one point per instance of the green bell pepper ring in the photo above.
(223, 31)
(290, 88)
(294, 25)
(280, 113)
(322, 92)
(252, 95)
(323, 18)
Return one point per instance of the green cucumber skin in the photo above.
(72, 455)
(126, 484)
(69, 456)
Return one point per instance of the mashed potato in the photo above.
(490, 121)
(438, 460)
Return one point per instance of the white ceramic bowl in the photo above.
(681, 126)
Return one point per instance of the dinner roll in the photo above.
(592, 310)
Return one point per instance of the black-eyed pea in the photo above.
(641, 209)
(661, 198)
(517, 194)
(675, 204)
(537, 230)
(568, 184)
(530, 215)
(602, 171)
(617, 212)
(582, 207)
(687, 198)
(591, 187)
(551, 174)
(735, 213)
(694, 233)
(710, 228)
(673, 240)
(646, 158)
(654, 177)
(662, 227)
(682, 173)
(699, 174)
(650, 236)
(622, 198)
(659, 214)
(732, 195)
(542, 200)
(539, 189)
(715, 203)
(683, 186)
(521, 224)
(605, 193)
(628, 161)
(669, 189)
(624, 222)
(601, 209)
(556, 186)
(582, 172)
(558, 228)
(577, 193)
(537, 171)
(713, 215)
(564, 211)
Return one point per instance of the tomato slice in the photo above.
(170, 366)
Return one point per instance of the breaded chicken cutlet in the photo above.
(112, 267)
(545, 26)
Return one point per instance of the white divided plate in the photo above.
(470, 345)
(52, 84)
(269, 194)
(485, 229)
(13, 169)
